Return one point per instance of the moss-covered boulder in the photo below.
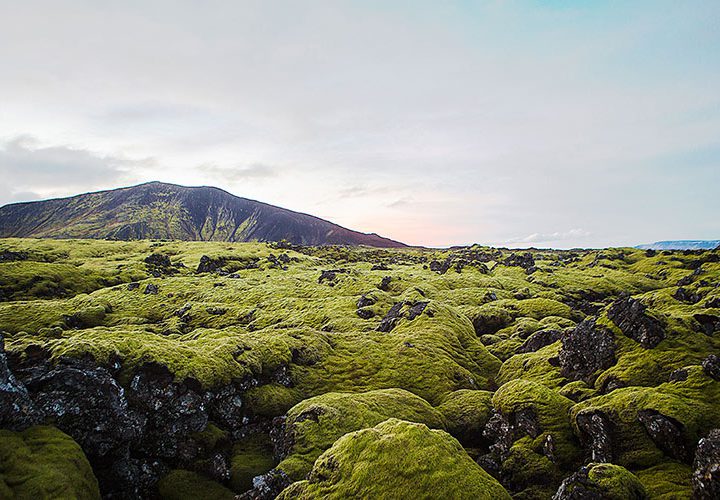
(606, 481)
(43, 462)
(466, 413)
(400, 460)
(312, 426)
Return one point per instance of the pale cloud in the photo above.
(554, 237)
(495, 119)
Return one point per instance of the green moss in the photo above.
(534, 366)
(315, 424)
(42, 462)
(251, 456)
(466, 412)
(396, 459)
(668, 480)
(185, 485)
(694, 402)
(614, 482)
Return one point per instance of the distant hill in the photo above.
(156, 210)
(681, 245)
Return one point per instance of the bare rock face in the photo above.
(706, 467)
(666, 433)
(400, 310)
(629, 315)
(267, 486)
(538, 340)
(711, 366)
(89, 405)
(175, 410)
(585, 350)
(595, 432)
(17, 411)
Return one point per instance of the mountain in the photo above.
(681, 245)
(156, 210)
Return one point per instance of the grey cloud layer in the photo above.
(430, 122)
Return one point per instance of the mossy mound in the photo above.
(400, 460)
(251, 457)
(185, 485)
(466, 412)
(43, 462)
(312, 426)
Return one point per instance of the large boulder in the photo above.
(586, 350)
(630, 317)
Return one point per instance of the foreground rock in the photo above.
(706, 475)
(601, 481)
(42, 462)
(396, 459)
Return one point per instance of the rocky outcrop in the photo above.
(586, 350)
(666, 433)
(595, 433)
(706, 467)
(17, 410)
(629, 316)
(400, 310)
(538, 340)
(600, 481)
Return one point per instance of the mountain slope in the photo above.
(681, 245)
(157, 210)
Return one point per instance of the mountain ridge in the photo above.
(157, 210)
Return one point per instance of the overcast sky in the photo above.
(536, 123)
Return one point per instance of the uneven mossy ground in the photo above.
(449, 367)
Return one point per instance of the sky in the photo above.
(518, 123)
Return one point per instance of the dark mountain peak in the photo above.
(158, 210)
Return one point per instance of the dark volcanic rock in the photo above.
(89, 405)
(525, 260)
(666, 433)
(709, 323)
(682, 295)
(391, 318)
(629, 315)
(17, 411)
(174, 411)
(10, 256)
(385, 283)
(208, 265)
(585, 350)
(711, 365)
(151, 289)
(365, 301)
(399, 310)
(157, 260)
(706, 467)
(595, 433)
(538, 340)
(267, 486)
